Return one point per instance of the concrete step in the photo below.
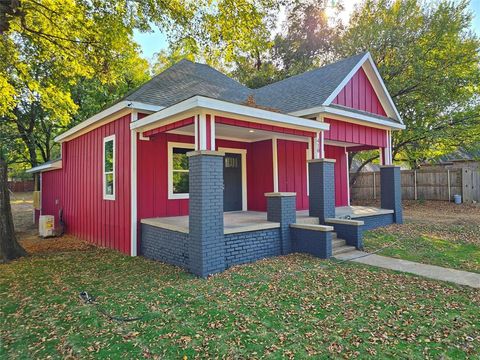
(342, 249)
(334, 235)
(308, 220)
(336, 243)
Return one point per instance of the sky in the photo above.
(155, 41)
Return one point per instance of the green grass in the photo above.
(294, 306)
(427, 249)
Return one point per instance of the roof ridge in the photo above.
(360, 55)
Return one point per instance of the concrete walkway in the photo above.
(429, 271)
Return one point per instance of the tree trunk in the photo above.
(9, 247)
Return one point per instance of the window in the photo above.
(109, 168)
(178, 174)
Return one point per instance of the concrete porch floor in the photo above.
(243, 221)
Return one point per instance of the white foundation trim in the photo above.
(243, 153)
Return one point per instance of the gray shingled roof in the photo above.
(306, 90)
(186, 79)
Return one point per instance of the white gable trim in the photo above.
(377, 82)
(345, 81)
(350, 116)
(103, 116)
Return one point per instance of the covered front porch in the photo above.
(223, 187)
(245, 221)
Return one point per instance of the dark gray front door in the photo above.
(232, 179)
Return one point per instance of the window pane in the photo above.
(180, 159)
(180, 182)
(109, 184)
(108, 156)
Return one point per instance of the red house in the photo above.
(193, 163)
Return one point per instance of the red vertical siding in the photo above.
(359, 94)
(78, 187)
(354, 133)
(341, 176)
(52, 193)
(259, 174)
(152, 175)
(292, 170)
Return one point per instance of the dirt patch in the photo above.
(37, 245)
(27, 231)
(439, 219)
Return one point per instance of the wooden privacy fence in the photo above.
(21, 186)
(428, 184)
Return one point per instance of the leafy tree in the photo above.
(308, 41)
(428, 57)
(62, 60)
(10, 249)
(186, 48)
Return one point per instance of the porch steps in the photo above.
(308, 220)
(339, 246)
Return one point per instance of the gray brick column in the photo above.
(391, 191)
(321, 182)
(282, 208)
(206, 245)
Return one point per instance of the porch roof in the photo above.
(198, 104)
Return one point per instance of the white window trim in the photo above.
(105, 195)
(243, 153)
(171, 145)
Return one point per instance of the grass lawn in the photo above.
(426, 249)
(436, 233)
(294, 307)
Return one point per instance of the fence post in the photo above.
(448, 183)
(415, 184)
(374, 187)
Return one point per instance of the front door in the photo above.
(232, 180)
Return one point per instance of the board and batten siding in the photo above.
(152, 175)
(359, 94)
(51, 187)
(341, 176)
(78, 188)
(259, 174)
(355, 134)
(292, 170)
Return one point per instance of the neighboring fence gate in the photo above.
(428, 184)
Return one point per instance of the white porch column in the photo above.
(275, 163)
(204, 132)
(348, 177)
(389, 148)
(318, 146)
